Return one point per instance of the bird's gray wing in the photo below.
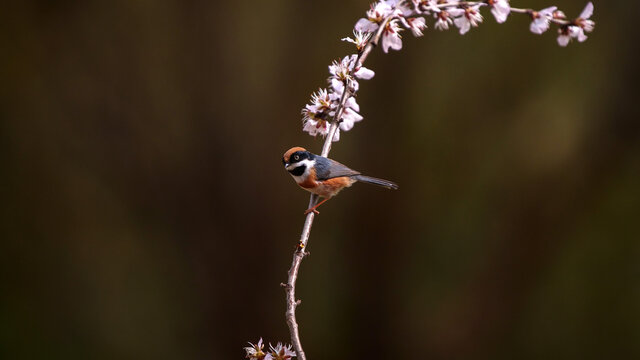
(328, 169)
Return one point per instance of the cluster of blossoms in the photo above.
(339, 97)
(386, 19)
(464, 15)
(278, 352)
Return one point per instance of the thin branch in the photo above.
(299, 254)
(551, 18)
(556, 17)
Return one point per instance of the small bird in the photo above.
(322, 176)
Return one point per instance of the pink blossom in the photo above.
(500, 9)
(280, 352)
(584, 23)
(416, 25)
(445, 18)
(541, 18)
(471, 17)
(375, 16)
(316, 115)
(391, 38)
(349, 118)
(254, 352)
(576, 30)
(364, 73)
(340, 73)
(350, 114)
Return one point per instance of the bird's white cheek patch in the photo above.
(309, 164)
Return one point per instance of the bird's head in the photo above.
(297, 160)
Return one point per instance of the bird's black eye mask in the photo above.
(299, 156)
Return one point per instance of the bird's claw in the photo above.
(310, 210)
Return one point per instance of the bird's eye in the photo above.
(296, 157)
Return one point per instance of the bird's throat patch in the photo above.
(298, 171)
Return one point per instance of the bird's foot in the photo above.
(313, 209)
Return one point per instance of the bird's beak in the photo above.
(286, 165)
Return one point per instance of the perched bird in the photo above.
(322, 176)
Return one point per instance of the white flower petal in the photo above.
(391, 3)
(351, 116)
(337, 85)
(443, 22)
(574, 31)
(365, 25)
(382, 10)
(346, 125)
(351, 103)
(417, 25)
(391, 41)
(587, 12)
(563, 40)
(501, 10)
(581, 36)
(463, 24)
(336, 136)
(539, 26)
(455, 12)
(364, 73)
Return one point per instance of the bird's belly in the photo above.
(330, 187)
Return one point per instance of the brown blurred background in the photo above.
(146, 214)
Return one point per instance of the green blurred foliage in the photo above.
(146, 214)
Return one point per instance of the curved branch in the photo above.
(348, 92)
(300, 253)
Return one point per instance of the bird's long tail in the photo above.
(375, 181)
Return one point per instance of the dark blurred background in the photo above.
(146, 214)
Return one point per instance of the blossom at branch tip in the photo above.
(360, 39)
(500, 9)
(391, 38)
(254, 352)
(322, 111)
(280, 352)
(541, 18)
(577, 28)
(471, 17)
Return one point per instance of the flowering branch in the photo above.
(335, 108)
(343, 82)
(384, 22)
